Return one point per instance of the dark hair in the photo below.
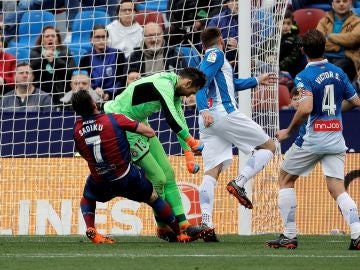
(99, 27)
(39, 40)
(289, 15)
(22, 64)
(122, 2)
(82, 103)
(198, 77)
(209, 36)
(313, 43)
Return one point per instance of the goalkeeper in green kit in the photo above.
(142, 98)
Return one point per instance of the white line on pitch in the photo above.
(125, 255)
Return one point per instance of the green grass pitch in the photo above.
(147, 253)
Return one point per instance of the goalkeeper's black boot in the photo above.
(239, 194)
(166, 233)
(211, 237)
(355, 244)
(191, 233)
(283, 242)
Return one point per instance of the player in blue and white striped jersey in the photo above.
(325, 91)
(222, 125)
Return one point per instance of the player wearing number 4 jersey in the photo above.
(162, 91)
(325, 91)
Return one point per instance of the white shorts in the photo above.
(233, 129)
(298, 161)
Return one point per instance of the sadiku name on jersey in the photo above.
(327, 125)
(90, 125)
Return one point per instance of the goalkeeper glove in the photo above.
(196, 145)
(191, 166)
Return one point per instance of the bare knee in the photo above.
(269, 145)
(215, 172)
(287, 180)
(335, 186)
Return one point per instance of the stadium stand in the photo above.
(82, 27)
(160, 5)
(30, 27)
(143, 17)
(308, 18)
(21, 54)
(191, 57)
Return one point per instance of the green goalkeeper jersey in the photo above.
(151, 94)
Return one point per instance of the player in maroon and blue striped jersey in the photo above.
(101, 141)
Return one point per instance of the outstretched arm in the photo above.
(145, 130)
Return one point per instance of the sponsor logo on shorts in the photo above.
(327, 125)
(191, 201)
(210, 102)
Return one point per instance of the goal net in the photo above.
(42, 177)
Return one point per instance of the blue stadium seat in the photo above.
(191, 57)
(21, 54)
(159, 5)
(356, 11)
(77, 53)
(325, 7)
(31, 25)
(83, 25)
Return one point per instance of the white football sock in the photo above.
(255, 164)
(287, 206)
(206, 191)
(350, 213)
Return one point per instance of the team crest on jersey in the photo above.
(300, 85)
(211, 57)
(134, 153)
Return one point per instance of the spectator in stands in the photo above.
(153, 56)
(132, 77)
(298, 4)
(189, 17)
(80, 80)
(13, 12)
(190, 103)
(227, 21)
(7, 68)
(341, 28)
(295, 96)
(109, 6)
(106, 66)
(52, 63)
(290, 53)
(25, 97)
(125, 33)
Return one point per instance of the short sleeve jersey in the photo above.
(329, 86)
(101, 141)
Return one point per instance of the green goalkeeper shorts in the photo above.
(139, 145)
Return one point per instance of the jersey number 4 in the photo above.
(328, 102)
(94, 142)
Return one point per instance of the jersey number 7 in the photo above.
(94, 142)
